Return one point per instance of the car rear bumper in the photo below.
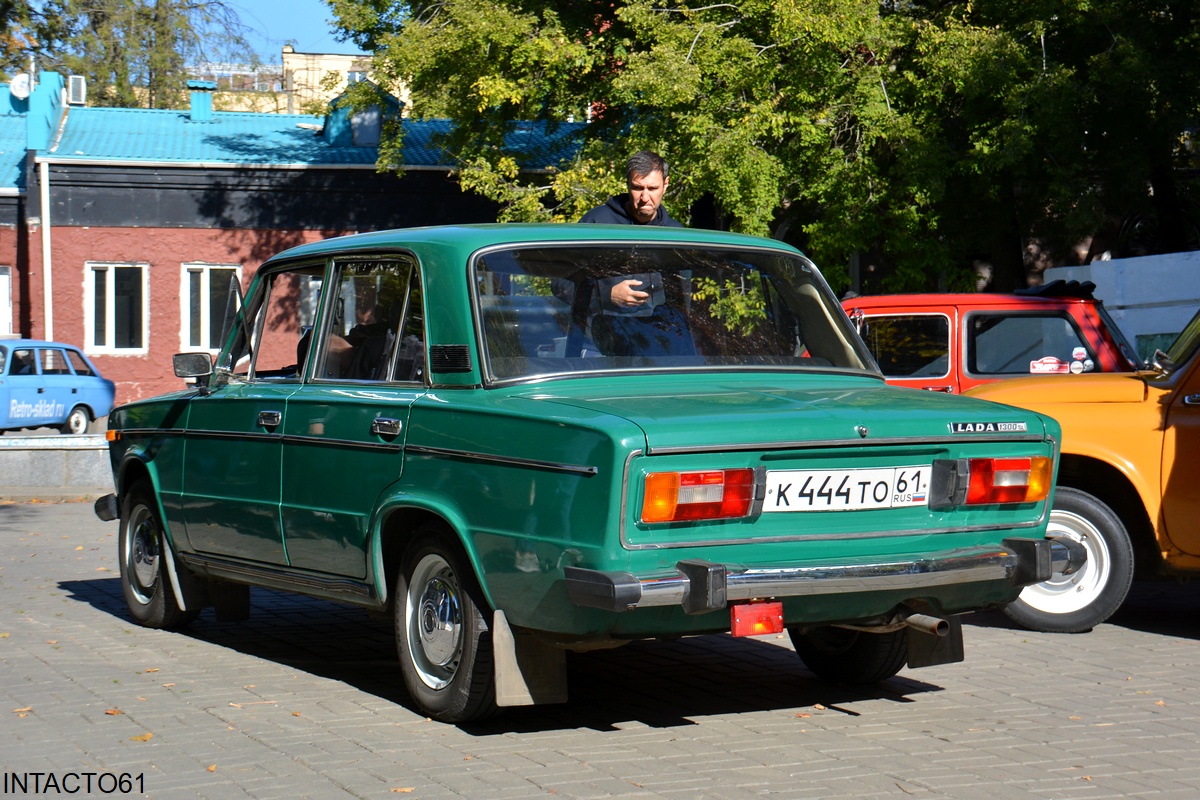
(701, 586)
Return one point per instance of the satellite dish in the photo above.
(19, 87)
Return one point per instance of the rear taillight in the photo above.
(1008, 480)
(683, 496)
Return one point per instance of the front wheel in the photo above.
(442, 633)
(143, 552)
(841, 655)
(1082, 600)
(76, 422)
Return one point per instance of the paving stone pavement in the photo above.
(304, 700)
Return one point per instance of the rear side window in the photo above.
(1026, 344)
(81, 367)
(909, 345)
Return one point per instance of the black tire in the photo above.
(443, 635)
(840, 655)
(142, 551)
(1089, 596)
(77, 421)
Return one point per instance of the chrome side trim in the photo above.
(468, 455)
(811, 444)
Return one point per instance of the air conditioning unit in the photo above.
(76, 90)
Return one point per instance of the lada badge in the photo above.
(988, 427)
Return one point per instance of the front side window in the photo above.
(209, 300)
(115, 302)
(909, 345)
(564, 309)
(1026, 344)
(272, 341)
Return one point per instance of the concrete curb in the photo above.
(54, 468)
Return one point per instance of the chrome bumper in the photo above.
(701, 586)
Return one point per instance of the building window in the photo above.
(354, 76)
(209, 301)
(115, 308)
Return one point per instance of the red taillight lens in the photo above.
(1009, 480)
(714, 494)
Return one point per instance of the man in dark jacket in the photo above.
(647, 180)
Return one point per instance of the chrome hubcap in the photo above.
(434, 621)
(142, 555)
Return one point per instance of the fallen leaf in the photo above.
(52, 641)
(112, 712)
(145, 737)
(102, 569)
(1160, 702)
(1075, 718)
(803, 715)
(403, 790)
(295, 713)
(819, 707)
(3, 635)
(152, 669)
(168, 685)
(1085, 777)
(467, 758)
(24, 710)
(212, 767)
(80, 547)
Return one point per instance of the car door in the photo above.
(234, 439)
(62, 389)
(1181, 468)
(344, 431)
(27, 403)
(913, 348)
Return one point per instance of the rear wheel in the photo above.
(143, 554)
(841, 655)
(1085, 598)
(77, 421)
(442, 633)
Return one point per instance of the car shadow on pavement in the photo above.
(656, 683)
(1166, 608)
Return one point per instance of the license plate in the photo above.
(847, 489)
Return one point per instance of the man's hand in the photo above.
(623, 294)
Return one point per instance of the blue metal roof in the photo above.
(12, 151)
(258, 139)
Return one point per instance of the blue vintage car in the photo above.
(50, 384)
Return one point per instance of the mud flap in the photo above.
(929, 649)
(528, 671)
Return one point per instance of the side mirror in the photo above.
(194, 365)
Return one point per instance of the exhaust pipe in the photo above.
(935, 626)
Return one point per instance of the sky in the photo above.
(303, 23)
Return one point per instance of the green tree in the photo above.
(133, 53)
(928, 136)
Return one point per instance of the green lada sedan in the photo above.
(524, 440)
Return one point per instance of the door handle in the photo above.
(41, 390)
(385, 426)
(269, 419)
(1192, 400)
(937, 388)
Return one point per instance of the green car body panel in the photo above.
(290, 480)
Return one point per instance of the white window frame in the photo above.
(90, 345)
(205, 268)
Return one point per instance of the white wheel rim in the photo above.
(142, 554)
(433, 621)
(1065, 594)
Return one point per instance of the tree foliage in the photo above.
(133, 53)
(929, 136)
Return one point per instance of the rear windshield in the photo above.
(549, 310)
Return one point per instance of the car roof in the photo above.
(465, 239)
(17, 343)
(974, 299)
